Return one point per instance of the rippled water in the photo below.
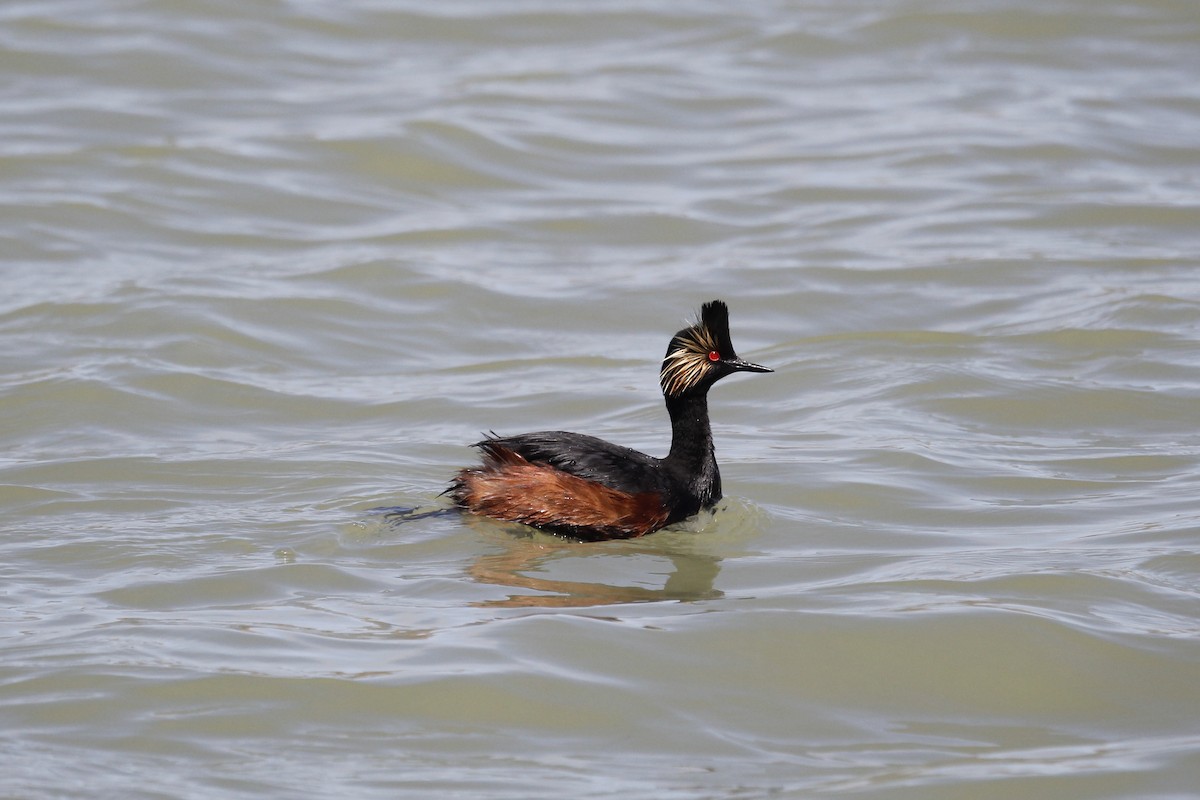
(270, 266)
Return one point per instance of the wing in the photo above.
(587, 457)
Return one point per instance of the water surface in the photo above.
(270, 266)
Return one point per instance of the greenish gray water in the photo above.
(269, 266)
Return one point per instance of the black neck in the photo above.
(691, 457)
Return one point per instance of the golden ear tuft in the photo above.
(688, 360)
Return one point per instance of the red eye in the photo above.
(713, 355)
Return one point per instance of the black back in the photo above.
(612, 465)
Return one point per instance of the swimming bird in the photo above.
(586, 488)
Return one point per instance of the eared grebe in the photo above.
(586, 488)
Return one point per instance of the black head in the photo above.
(702, 354)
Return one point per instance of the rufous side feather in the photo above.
(511, 488)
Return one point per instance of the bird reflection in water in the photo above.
(524, 559)
(525, 556)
